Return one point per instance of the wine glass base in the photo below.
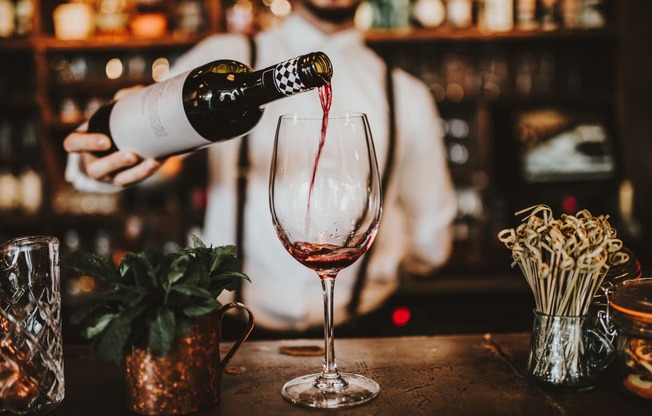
(343, 390)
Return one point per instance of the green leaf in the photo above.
(100, 324)
(85, 311)
(223, 256)
(202, 308)
(177, 269)
(120, 332)
(227, 281)
(90, 264)
(111, 344)
(233, 275)
(161, 331)
(190, 290)
(197, 242)
(126, 289)
(137, 269)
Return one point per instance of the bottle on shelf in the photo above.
(498, 15)
(214, 102)
(240, 17)
(549, 19)
(190, 17)
(150, 19)
(428, 13)
(30, 184)
(459, 13)
(73, 21)
(7, 18)
(9, 190)
(112, 18)
(526, 14)
(24, 17)
(570, 13)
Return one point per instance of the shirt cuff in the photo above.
(82, 182)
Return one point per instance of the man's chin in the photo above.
(332, 14)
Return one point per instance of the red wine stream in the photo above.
(323, 256)
(325, 97)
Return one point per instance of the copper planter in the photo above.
(186, 380)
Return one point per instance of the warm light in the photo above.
(454, 92)
(112, 7)
(280, 8)
(117, 256)
(240, 17)
(245, 6)
(364, 16)
(114, 68)
(160, 69)
(401, 316)
(133, 227)
(86, 284)
(171, 167)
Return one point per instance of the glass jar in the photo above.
(631, 306)
(600, 311)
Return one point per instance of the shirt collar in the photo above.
(302, 37)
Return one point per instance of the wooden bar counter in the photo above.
(437, 375)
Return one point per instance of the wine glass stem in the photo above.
(330, 366)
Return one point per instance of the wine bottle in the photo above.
(214, 102)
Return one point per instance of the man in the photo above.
(419, 201)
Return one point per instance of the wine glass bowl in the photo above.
(325, 200)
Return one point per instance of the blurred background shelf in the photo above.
(474, 34)
(493, 89)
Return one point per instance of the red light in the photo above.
(401, 316)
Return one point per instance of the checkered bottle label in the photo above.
(286, 77)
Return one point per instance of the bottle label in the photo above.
(286, 77)
(152, 122)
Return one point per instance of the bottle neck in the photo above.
(290, 77)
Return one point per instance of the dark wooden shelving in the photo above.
(51, 44)
(611, 54)
(445, 34)
(13, 102)
(510, 98)
(44, 94)
(14, 45)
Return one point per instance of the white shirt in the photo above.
(419, 205)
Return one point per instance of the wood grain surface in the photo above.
(441, 375)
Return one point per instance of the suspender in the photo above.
(243, 166)
(358, 286)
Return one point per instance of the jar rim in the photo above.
(634, 298)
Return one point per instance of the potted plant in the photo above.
(160, 318)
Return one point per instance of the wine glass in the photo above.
(325, 200)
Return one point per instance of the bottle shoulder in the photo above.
(223, 67)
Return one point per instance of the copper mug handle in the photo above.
(243, 336)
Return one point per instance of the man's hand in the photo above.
(121, 167)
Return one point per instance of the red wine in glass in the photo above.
(322, 257)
